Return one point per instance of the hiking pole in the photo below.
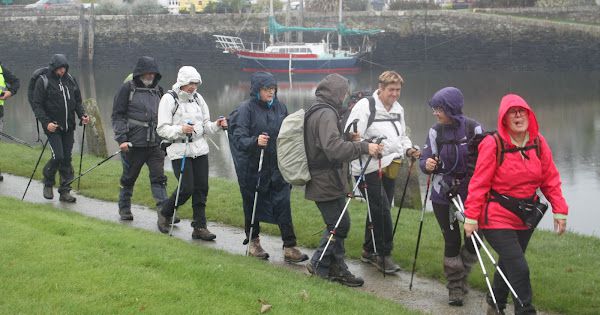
(333, 232)
(412, 274)
(81, 154)
(17, 140)
(260, 162)
(487, 278)
(34, 169)
(459, 204)
(370, 227)
(93, 167)
(226, 128)
(381, 206)
(187, 143)
(410, 167)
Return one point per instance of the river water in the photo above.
(567, 105)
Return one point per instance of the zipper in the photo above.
(62, 89)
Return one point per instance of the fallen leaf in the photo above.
(304, 295)
(265, 308)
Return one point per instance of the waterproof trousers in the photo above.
(450, 231)
(510, 246)
(132, 162)
(331, 210)
(380, 205)
(193, 184)
(61, 146)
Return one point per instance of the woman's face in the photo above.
(441, 116)
(517, 119)
(267, 93)
(190, 87)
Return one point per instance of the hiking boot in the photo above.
(345, 277)
(177, 220)
(48, 193)
(455, 297)
(203, 234)
(256, 250)
(293, 255)
(1, 177)
(313, 271)
(163, 223)
(67, 197)
(491, 310)
(454, 270)
(125, 214)
(379, 263)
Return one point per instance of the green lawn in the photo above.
(564, 270)
(59, 262)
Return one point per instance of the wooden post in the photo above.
(300, 35)
(81, 35)
(96, 143)
(91, 36)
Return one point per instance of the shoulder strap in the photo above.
(176, 98)
(499, 148)
(132, 89)
(372, 110)
(470, 126)
(44, 80)
(538, 147)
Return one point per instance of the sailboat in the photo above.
(298, 57)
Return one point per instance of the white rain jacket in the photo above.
(191, 109)
(396, 144)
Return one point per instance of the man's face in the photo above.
(148, 76)
(389, 94)
(60, 71)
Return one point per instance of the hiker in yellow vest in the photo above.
(9, 84)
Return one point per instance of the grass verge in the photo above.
(564, 270)
(59, 262)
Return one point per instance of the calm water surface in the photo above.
(567, 105)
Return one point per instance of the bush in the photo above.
(137, 7)
(398, 5)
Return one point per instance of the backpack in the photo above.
(291, 152)
(473, 149)
(372, 113)
(43, 74)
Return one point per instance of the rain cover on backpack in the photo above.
(291, 153)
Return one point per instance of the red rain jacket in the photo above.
(516, 176)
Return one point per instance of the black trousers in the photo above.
(451, 232)
(510, 246)
(380, 204)
(194, 183)
(61, 145)
(331, 210)
(133, 160)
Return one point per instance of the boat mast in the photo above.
(339, 24)
(271, 37)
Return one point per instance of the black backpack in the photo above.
(43, 74)
(473, 149)
(372, 112)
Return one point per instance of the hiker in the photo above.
(326, 151)
(526, 165)
(55, 105)
(184, 120)
(445, 154)
(134, 121)
(254, 126)
(9, 85)
(386, 119)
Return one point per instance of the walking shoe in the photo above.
(177, 220)
(203, 234)
(1, 177)
(256, 250)
(455, 297)
(67, 197)
(491, 310)
(163, 223)
(376, 260)
(345, 277)
(293, 255)
(125, 214)
(48, 193)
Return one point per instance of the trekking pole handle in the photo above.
(223, 127)
(354, 126)
(263, 134)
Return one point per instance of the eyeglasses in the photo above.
(517, 110)
(437, 109)
(268, 88)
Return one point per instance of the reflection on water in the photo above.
(566, 104)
